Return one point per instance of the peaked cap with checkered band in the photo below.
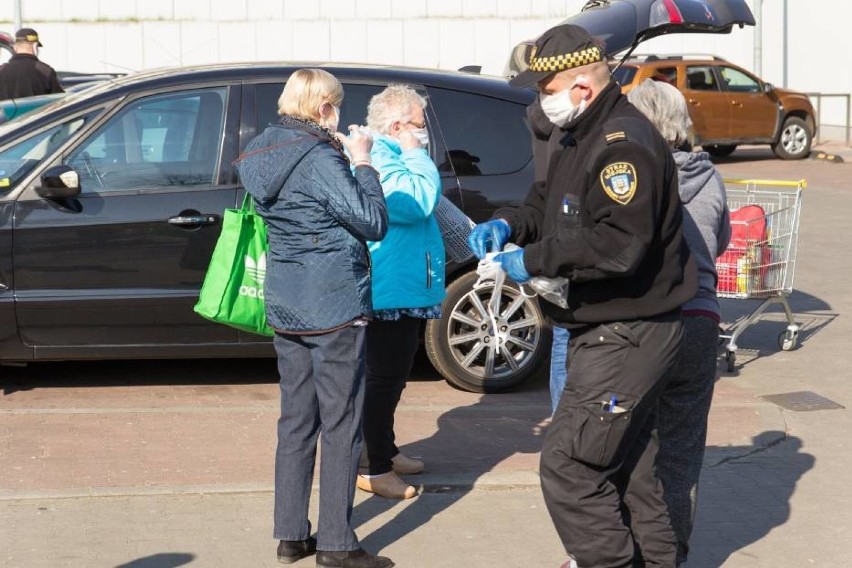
(559, 48)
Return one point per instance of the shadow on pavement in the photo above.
(744, 155)
(762, 338)
(745, 493)
(470, 442)
(163, 560)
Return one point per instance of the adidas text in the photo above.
(251, 292)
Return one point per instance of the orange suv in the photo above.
(728, 105)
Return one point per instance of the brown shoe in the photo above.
(387, 485)
(404, 465)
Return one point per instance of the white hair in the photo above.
(665, 107)
(395, 103)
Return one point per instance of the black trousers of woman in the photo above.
(391, 347)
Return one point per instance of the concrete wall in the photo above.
(127, 35)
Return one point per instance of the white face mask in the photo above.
(422, 136)
(559, 108)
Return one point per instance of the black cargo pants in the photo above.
(597, 463)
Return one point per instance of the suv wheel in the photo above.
(471, 355)
(795, 140)
(719, 150)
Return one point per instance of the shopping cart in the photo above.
(760, 261)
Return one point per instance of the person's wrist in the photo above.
(361, 158)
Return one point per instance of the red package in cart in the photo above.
(742, 267)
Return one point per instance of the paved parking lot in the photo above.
(169, 463)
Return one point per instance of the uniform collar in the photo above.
(600, 108)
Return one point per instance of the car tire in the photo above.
(464, 348)
(719, 150)
(794, 141)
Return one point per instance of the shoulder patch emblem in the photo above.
(619, 181)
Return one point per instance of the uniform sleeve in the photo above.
(526, 221)
(354, 199)
(622, 201)
(54, 86)
(411, 184)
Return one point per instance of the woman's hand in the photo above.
(358, 143)
(408, 141)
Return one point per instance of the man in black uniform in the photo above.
(24, 75)
(607, 217)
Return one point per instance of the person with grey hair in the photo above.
(685, 401)
(408, 279)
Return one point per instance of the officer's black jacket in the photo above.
(607, 216)
(24, 76)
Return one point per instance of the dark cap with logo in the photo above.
(559, 48)
(27, 34)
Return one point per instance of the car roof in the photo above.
(258, 71)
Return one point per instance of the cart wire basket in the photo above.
(760, 261)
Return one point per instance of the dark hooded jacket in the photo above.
(606, 215)
(706, 224)
(320, 215)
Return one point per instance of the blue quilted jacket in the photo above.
(320, 215)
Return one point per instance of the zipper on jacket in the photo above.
(428, 270)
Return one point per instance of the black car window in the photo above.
(665, 74)
(18, 160)
(701, 78)
(624, 75)
(738, 82)
(483, 135)
(353, 111)
(157, 141)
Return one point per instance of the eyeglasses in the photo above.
(416, 124)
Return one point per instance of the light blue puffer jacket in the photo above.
(408, 263)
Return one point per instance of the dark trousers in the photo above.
(682, 424)
(391, 347)
(597, 463)
(322, 379)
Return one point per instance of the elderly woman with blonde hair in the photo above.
(408, 279)
(321, 207)
(685, 402)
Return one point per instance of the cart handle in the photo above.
(803, 183)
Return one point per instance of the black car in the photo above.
(112, 268)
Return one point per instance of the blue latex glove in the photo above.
(513, 265)
(493, 234)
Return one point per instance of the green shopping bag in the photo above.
(232, 292)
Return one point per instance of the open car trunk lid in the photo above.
(624, 24)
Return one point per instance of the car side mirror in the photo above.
(59, 182)
(767, 87)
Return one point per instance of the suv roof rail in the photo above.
(675, 57)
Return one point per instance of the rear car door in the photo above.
(118, 269)
(754, 114)
(709, 107)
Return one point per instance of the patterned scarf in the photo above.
(315, 129)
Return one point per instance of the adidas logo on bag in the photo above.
(256, 271)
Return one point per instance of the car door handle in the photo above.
(194, 220)
(695, 102)
(736, 104)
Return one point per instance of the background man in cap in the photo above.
(24, 75)
(608, 217)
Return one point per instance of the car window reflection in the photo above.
(159, 141)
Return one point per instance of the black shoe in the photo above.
(290, 551)
(351, 559)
